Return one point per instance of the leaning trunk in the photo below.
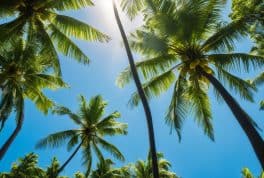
(142, 96)
(69, 159)
(242, 117)
(11, 139)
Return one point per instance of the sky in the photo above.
(194, 157)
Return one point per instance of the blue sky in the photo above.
(196, 156)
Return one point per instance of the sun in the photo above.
(106, 5)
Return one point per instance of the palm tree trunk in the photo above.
(10, 140)
(69, 159)
(141, 94)
(242, 117)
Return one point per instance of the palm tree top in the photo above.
(179, 41)
(93, 127)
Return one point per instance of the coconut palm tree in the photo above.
(142, 95)
(105, 169)
(23, 75)
(143, 169)
(184, 44)
(90, 136)
(44, 19)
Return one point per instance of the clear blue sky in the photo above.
(195, 157)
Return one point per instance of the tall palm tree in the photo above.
(143, 169)
(142, 95)
(23, 75)
(93, 128)
(182, 44)
(44, 19)
(105, 169)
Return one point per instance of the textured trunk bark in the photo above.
(242, 117)
(69, 159)
(11, 139)
(141, 94)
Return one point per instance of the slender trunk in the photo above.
(141, 94)
(10, 140)
(69, 159)
(242, 117)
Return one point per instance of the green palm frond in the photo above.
(132, 7)
(259, 80)
(244, 88)
(41, 101)
(178, 108)
(57, 139)
(98, 152)
(197, 95)
(48, 48)
(65, 4)
(87, 159)
(225, 36)
(148, 67)
(155, 86)
(111, 149)
(61, 110)
(47, 81)
(66, 46)
(237, 61)
(77, 29)
(145, 42)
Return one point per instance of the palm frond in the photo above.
(178, 108)
(77, 29)
(110, 148)
(148, 67)
(201, 106)
(237, 61)
(66, 46)
(225, 36)
(61, 110)
(244, 88)
(132, 7)
(56, 139)
(154, 87)
(62, 5)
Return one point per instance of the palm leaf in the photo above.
(154, 87)
(178, 107)
(66, 46)
(201, 106)
(237, 61)
(77, 29)
(110, 148)
(56, 139)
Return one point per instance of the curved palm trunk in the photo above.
(69, 159)
(242, 118)
(11, 139)
(141, 94)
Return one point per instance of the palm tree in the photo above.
(143, 169)
(182, 44)
(25, 167)
(141, 94)
(93, 128)
(43, 19)
(23, 75)
(105, 170)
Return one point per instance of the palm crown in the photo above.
(143, 169)
(24, 74)
(181, 43)
(41, 19)
(93, 128)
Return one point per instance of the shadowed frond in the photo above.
(179, 105)
(237, 61)
(155, 86)
(57, 139)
